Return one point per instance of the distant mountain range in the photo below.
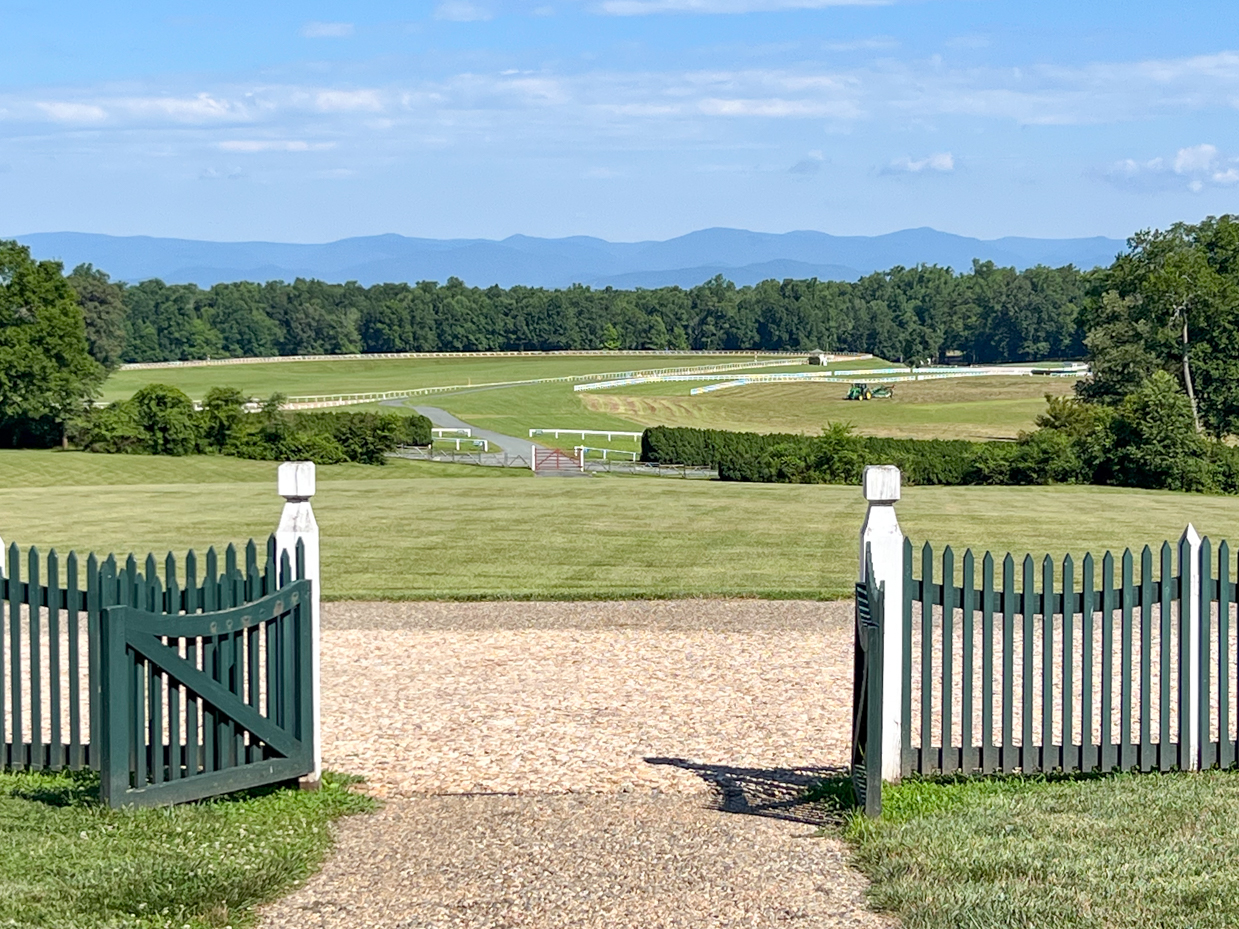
(741, 256)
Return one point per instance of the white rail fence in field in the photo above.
(609, 433)
(581, 451)
(887, 376)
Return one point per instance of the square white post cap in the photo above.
(881, 483)
(296, 479)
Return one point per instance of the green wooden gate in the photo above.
(172, 691)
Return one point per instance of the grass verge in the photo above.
(1142, 851)
(67, 862)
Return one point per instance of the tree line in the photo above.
(926, 313)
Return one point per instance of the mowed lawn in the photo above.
(367, 375)
(1143, 851)
(423, 531)
(978, 408)
(964, 408)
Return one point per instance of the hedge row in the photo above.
(1127, 447)
(161, 420)
(837, 456)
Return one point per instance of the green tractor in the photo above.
(865, 392)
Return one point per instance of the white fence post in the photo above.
(884, 539)
(1194, 705)
(4, 568)
(296, 486)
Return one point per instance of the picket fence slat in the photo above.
(1225, 598)
(16, 731)
(1147, 597)
(1164, 653)
(1089, 756)
(73, 608)
(1204, 719)
(1047, 664)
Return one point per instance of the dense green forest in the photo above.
(988, 314)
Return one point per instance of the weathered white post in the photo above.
(884, 539)
(296, 486)
(1190, 540)
(4, 568)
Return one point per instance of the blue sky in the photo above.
(625, 119)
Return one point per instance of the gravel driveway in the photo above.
(585, 764)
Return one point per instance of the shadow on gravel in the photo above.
(813, 796)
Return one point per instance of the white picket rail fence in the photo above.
(609, 433)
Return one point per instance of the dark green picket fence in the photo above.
(867, 694)
(1043, 667)
(1032, 665)
(173, 690)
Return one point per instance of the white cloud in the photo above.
(200, 108)
(317, 30)
(73, 112)
(203, 107)
(777, 108)
(568, 106)
(462, 11)
(348, 101)
(967, 41)
(1199, 159)
(941, 162)
(1195, 166)
(648, 7)
(220, 174)
(250, 146)
(877, 43)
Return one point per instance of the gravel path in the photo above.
(510, 443)
(582, 764)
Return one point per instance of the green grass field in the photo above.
(1143, 851)
(978, 409)
(305, 378)
(66, 862)
(968, 408)
(417, 530)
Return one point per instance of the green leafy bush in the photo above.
(161, 420)
(167, 420)
(1155, 439)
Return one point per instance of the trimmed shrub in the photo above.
(836, 457)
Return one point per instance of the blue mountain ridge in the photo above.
(740, 255)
